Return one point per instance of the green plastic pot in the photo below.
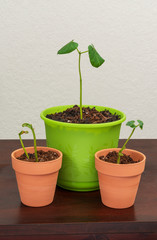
(79, 143)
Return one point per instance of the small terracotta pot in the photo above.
(36, 180)
(119, 182)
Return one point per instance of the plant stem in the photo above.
(79, 52)
(129, 137)
(118, 159)
(35, 146)
(23, 144)
(80, 85)
(84, 52)
(124, 146)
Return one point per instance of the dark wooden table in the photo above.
(76, 215)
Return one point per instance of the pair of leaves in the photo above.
(95, 59)
(132, 124)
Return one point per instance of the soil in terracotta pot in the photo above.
(111, 157)
(90, 115)
(42, 156)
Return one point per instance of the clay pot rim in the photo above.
(119, 170)
(38, 147)
(78, 125)
(120, 165)
(35, 168)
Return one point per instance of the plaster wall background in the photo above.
(33, 77)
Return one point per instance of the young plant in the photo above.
(95, 59)
(132, 125)
(35, 146)
(22, 132)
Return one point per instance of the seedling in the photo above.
(35, 146)
(22, 132)
(132, 125)
(95, 59)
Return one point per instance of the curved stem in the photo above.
(22, 143)
(35, 146)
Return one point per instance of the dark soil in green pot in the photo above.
(79, 142)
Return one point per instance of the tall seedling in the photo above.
(95, 59)
(132, 125)
(35, 145)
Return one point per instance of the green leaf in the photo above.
(27, 125)
(68, 48)
(131, 124)
(95, 59)
(22, 132)
(121, 154)
(140, 124)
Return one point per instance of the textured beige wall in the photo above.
(33, 77)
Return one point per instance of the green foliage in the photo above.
(95, 59)
(68, 48)
(131, 124)
(140, 124)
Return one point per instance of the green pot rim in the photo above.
(78, 125)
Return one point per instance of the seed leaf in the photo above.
(140, 124)
(22, 132)
(120, 154)
(95, 59)
(68, 48)
(131, 124)
(27, 125)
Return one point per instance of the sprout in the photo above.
(22, 132)
(95, 59)
(35, 146)
(132, 125)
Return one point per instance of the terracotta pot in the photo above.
(119, 182)
(36, 180)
